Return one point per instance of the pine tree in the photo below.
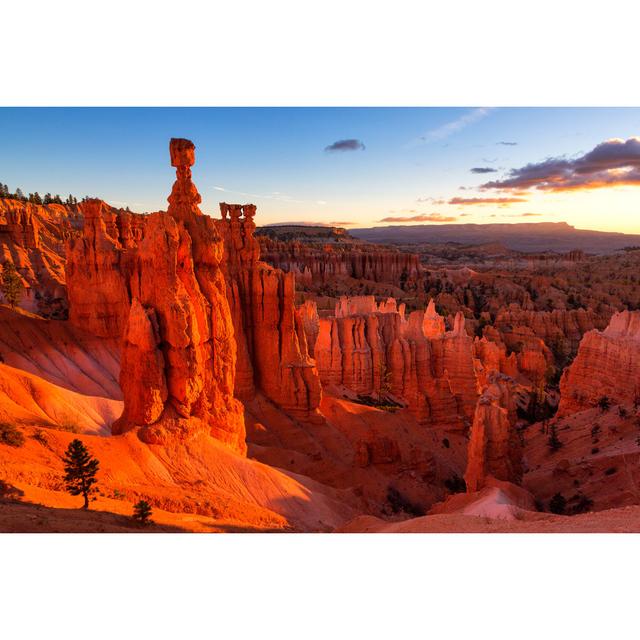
(142, 512)
(11, 284)
(36, 198)
(47, 198)
(554, 441)
(57, 199)
(80, 471)
(19, 194)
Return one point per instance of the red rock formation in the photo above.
(494, 449)
(607, 364)
(373, 350)
(322, 263)
(32, 237)
(272, 347)
(97, 271)
(178, 358)
(560, 330)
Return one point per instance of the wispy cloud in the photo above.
(472, 201)
(455, 126)
(507, 144)
(432, 200)
(423, 217)
(350, 144)
(306, 223)
(274, 195)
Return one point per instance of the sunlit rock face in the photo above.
(201, 319)
(607, 364)
(272, 348)
(494, 450)
(373, 349)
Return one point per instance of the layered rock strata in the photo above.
(607, 364)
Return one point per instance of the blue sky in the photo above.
(414, 161)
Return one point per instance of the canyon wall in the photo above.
(319, 263)
(561, 330)
(373, 350)
(607, 364)
(32, 237)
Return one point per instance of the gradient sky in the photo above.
(414, 161)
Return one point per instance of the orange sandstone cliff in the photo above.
(607, 364)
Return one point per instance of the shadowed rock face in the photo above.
(607, 364)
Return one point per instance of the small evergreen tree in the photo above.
(11, 284)
(80, 471)
(142, 512)
(554, 441)
(19, 194)
(384, 382)
(47, 198)
(36, 198)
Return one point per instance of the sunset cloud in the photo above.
(423, 217)
(500, 201)
(483, 170)
(615, 162)
(351, 144)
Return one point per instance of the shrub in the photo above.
(558, 504)
(604, 403)
(9, 493)
(583, 504)
(622, 412)
(455, 484)
(400, 503)
(41, 437)
(11, 435)
(142, 513)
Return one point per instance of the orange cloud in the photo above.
(423, 217)
(500, 201)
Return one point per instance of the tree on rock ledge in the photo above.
(80, 471)
(11, 284)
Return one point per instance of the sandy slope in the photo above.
(198, 477)
(623, 520)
